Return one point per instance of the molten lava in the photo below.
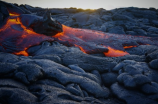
(16, 38)
(115, 53)
(24, 53)
(83, 38)
(125, 47)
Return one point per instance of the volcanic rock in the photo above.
(142, 49)
(106, 17)
(118, 67)
(155, 23)
(97, 74)
(4, 14)
(45, 25)
(153, 55)
(81, 18)
(52, 57)
(153, 30)
(76, 68)
(94, 19)
(151, 88)
(130, 96)
(109, 78)
(82, 60)
(121, 17)
(16, 95)
(6, 68)
(21, 77)
(56, 71)
(50, 83)
(153, 64)
(130, 69)
(12, 8)
(127, 80)
(140, 31)
(32, 72)
(12, 84)
(116, 30)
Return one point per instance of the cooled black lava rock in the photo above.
(116, 30)
(142, 49)
(140, 31)
(130, 69)
(51, 57)
(153, 55)
(96, 72)
(50, 83)
(12, 8)
(121, 17)
(118, 67)
(109, 78)
(74, 89)
(21, 77)
(81, 18)
(130, 96)
(141, 79)
(151, 88)
(154, 64)
(12, 84)
(127, 80)
(4, 14)
(8, 58)
(76, 68)
(6, 68)
(45, 25)
(16, 95)
(32, 72)
(83, 61)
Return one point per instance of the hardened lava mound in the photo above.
(75, 56)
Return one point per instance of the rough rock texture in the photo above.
(54, 73)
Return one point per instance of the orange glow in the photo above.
(14, 30)
(80, 48)
(125, 47)
(115, 53)
(24, 53)
(89, 41)
(13, 14)
(80, 38)
(85, 35)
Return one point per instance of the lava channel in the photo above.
(16, 38)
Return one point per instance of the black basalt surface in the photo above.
(58, 74)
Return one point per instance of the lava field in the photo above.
(76, 56)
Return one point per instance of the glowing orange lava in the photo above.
(13, 14)
(115, 53)
(80, 48)
(24, 53)
(19, 36)
(15, 34)
(81, 37)
(125, 47)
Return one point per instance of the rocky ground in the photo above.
(57, 74)
(132, 20)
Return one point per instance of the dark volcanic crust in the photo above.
(55, 73)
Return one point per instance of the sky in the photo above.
(88, 4)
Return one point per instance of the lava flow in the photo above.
(16, 38)
(91, 41)
(88, 41)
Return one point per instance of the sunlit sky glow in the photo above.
(88, 4)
